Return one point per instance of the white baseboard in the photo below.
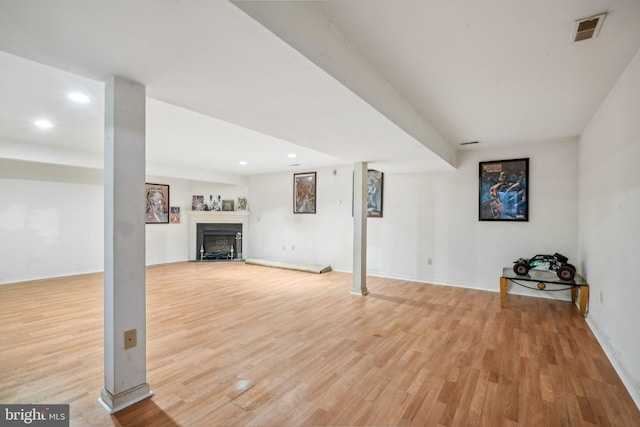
(632, 387)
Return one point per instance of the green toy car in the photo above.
(556, 262)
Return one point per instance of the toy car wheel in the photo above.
(521, 269)
(566, 272)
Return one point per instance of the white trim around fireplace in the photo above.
(217, 217)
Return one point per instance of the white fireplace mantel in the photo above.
(217, 217)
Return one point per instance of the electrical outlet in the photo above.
(429, 261)
(130, 339)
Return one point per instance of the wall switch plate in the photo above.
(130, 339)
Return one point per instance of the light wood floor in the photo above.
(240, 345)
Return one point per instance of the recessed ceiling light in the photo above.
(291, 155)
(43, 124)
(242, 162)
(78, 97)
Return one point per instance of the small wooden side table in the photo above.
(544, 278)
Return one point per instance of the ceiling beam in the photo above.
(305, 28)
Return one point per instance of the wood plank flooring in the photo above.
(242, 345)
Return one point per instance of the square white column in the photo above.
(360, 229)
(125, 365)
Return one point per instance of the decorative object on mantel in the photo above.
(197, 203)
(157, 204)
(175, 215)
(304, 192)
(239, 244)
(228, 205)
(374, 193)
(504, 191)
(242, 203)
(215, 203)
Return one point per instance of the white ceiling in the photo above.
(391, 82)
(497, 71)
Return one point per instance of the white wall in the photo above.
(425, 216)
(610, 224)
(472, 253)
(49, 229)
(52, 221)
(323, 238)
(170, 243)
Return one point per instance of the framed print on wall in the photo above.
(242, 203)
(175, 215)
(504, 192)
(304, 192)
(216, 202)
(157, 204)
(374, 193)
(197, 203)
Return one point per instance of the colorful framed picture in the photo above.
(504, 191)
(242, 203)
(374, 193)
(157, 204)
(175, 214)
(304, 193)
(197, 203)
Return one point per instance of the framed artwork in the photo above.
(175, 215)
(215, 202)
(504, 192)
(227, 205)
(157, 204)
(197, 203)
(374, 193)
(304, 192)
(242, 203)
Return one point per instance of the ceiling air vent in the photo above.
(469, 143)
(588, 28)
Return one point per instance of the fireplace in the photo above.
(219, 241)
(222, 227)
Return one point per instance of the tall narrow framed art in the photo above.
(157, 204)
(304, 193)
(375, 181)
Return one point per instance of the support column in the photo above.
(125, 355)
(360, 229)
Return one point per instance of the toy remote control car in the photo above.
(556, 262)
